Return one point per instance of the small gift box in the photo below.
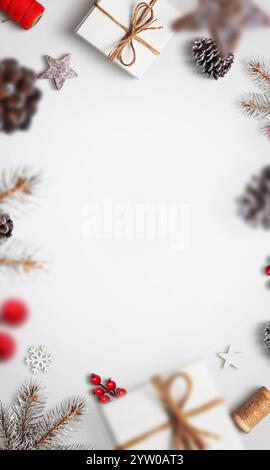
(182, 411)
(129, 32)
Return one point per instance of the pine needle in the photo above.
(18, 257)
(256, 105)
(57, 422)
(259, 70)
(23, 426)
(19, 186)
(28, 408)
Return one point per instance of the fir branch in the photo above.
(24, 427)
(256, 105)
(8, 435)
(19, 258)
(259, 70)
(28, 408)
(19, 186)
(57, 422)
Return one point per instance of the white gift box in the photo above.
(141, 411)
(105, 34)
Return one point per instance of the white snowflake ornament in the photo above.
(39, 359)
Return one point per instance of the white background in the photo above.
(129, 309)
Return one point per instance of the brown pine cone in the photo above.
(208, 57)
(18, 96)
(6, 226)
(254, 204)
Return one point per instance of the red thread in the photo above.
(24, 12)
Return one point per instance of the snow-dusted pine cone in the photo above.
(254, 204)
(208, 57)
(6, 226)
(267, 336)
(18, 96)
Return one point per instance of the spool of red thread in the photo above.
(25, 12)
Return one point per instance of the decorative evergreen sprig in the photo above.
(18, 257)
(19, 186)
(24, 425)
(258, 104)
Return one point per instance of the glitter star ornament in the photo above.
(230, 358)
(224, 19)
(59, 70)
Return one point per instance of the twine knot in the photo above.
(142, 19)
(185, 435)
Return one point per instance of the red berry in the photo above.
(14, 312)
(110, 384)
(267, 270)
(104, 399)
(120, 392)
(7, 346)
(95, 379)
(99, 391)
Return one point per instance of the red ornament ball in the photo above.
(104, 399)
(7, 346)
(95, 379)
(14, 312)
(110, 384)
(267, 270)
(99, 391)
(120, 392)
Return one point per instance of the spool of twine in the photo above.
(25, 12)
(253, 411)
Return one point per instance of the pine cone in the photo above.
(267, 336)
(6, 226)
(208, 57)
(18, 96)
(254, 204)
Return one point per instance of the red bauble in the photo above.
(110, 384)
(7, 346)
(99, 391)
(267, 270)
(14, 312)
(95, 379)
(104, 399)
(120, 392)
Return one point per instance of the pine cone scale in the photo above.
(208, 57)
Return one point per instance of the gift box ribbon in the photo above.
(142, 20)
(185, 435)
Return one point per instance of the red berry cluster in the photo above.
(13, 312)
(104, 392)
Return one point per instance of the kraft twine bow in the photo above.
(185, 435)
(142, 19)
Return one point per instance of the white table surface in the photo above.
(130, 308)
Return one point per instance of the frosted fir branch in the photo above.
(259, 70)
(23, 425)
(57, 423)
(256, 105)
(8, 434)
(28, 408)
(19, 186)
(18, 258)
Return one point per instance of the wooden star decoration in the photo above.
(230, 358)
(59, 70)
(224, 19)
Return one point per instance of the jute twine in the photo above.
(253, 411)
(185, 435)
(142, 19)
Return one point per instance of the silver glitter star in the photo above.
(59, 70)
(230, 358)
